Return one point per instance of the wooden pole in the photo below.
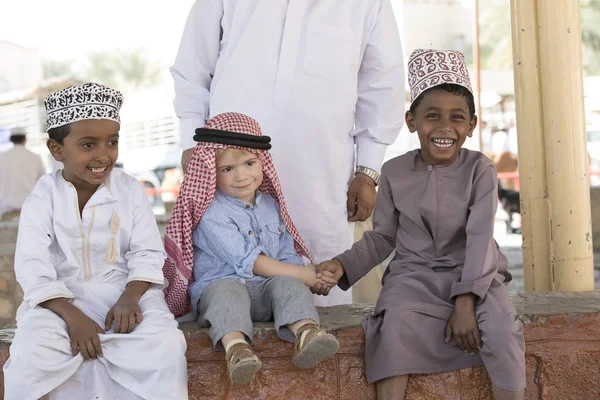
(535, 205)
(566, 150)
(555, 197)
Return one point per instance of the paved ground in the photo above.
(511, 247)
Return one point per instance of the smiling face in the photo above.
(443, 122)
(239, 174)
(88, 152)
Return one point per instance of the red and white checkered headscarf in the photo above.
(197, 192)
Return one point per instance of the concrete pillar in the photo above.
(555, 199)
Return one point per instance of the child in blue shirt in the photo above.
(245, 265)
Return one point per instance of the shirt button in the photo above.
(430, 168)
(248, 205)
(250, 233)
(259, 230)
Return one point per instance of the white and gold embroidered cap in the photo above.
(431, 68)
(81, 102)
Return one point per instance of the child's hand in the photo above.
(126, 313)
(83, 332)
(308, 275)
(328, 274)
(463, 325)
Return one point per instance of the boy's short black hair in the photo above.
(450, 88)
(59, 133)
(17, 139)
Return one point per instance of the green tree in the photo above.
(56, 68)
(590, 34)
(102, 68)
(137, 69)
(496, 41)
(133, 69)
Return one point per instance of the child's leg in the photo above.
(232, 338)
(297, 319)
(225, 307)
(392, 388)
(503, 345)
(294, 326)
(501, 394)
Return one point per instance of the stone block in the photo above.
(353, 380)
(562, 359)
(444, 386)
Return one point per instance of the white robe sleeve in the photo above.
(146, 256)
(34, 269)
(380, 106)
(194, 67)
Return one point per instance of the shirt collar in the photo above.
(420, 165)
(102, 195)
(237, 202)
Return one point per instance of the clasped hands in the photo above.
(327, 275)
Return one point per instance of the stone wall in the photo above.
(562, 335)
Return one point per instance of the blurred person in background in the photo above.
(20, 170)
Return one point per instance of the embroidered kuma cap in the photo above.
(431, 68)
(81, 102)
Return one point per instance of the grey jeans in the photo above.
(231, 305)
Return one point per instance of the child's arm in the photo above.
(221, 238)
(481, 258)
(126, 312)
(462, 324)
(83, 331)
(269, 267)
(145, 256)
(34, 268)
(37, 276)
(480, 263)
(375, 245)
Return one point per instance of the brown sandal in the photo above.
(242, 364)
(313, 346)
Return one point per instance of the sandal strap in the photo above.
(302, 338)
(239, 351)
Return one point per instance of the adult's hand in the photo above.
(361, 198)
(185, 158)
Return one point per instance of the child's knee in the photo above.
(502, 331)
(225, 290)
(288, 284)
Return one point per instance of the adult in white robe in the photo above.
(20, 169)
(62, 254)
(324, 78)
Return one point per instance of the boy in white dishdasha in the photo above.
(93, 323)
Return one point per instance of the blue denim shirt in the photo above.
(231, 235)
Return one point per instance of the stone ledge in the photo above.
(562, 335)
